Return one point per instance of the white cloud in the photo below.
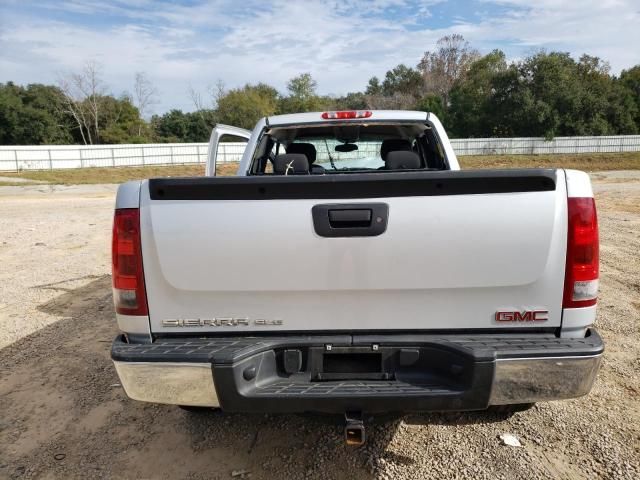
(605, 28)
(341, 43)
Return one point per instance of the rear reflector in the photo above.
(583, 267)
(346, 114)
(129, 293)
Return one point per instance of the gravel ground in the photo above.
(64, 415)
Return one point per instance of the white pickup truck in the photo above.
(351, 267)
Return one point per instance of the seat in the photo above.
(402, 160)
(309, 151)
(291, 164)
(394, 145)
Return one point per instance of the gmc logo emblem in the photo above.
(526, 316)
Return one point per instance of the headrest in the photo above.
(392, 145)
(401, 160)
(305, 148)
(291, 164)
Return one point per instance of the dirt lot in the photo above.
(64, 414)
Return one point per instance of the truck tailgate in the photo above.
(239, 254)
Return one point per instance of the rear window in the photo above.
(336, 148)
(364, 154)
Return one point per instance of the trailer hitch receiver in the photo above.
(354, 429)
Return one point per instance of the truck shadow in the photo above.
(73, 301)
(65, 415)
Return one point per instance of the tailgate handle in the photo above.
(350, 219)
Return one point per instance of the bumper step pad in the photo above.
(349, 388)
(226, 350)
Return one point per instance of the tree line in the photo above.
(546, 94)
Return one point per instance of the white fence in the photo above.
(535, 146)
(15, 158)
(44, 157)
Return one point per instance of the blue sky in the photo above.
(195, 43)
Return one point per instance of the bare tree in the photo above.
(196, 97)
(145, 95)
(217, 92)
(449, 63)
(91, 88)
(71, 106)
(82, 94)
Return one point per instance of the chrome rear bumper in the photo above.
(523, 380)
(526, 380)
(172, 383)
(438, 372)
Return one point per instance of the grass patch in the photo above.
(78, 176)
(588, 161)
(13, 184)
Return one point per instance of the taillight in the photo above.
(583, 267)
(346, 114)
(128, 279)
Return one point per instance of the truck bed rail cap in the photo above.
(356, 185)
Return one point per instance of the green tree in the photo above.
(32, 115)
(605, 110)
(432, 102)
(400, 90)
(199, 125)
(170, 127)
(540, 96)
(470, 110)
(302, 96)
(243, 107)
(350, 101)
(303, 86)
(119, 121)
(629, 90)
(559, 97)
(373, 87)
(546, 94)
(402, 80)
(177, 127)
